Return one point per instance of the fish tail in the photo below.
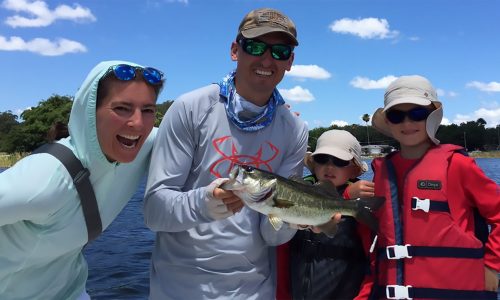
(364, 213)
(366, 217)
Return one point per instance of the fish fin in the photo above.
(296, 178)
(372, 203)
(283, 203)
(276, 222)
(328, 189)
(364, 212)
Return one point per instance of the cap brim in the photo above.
(259, 31)
(412, 100)
(337, 152)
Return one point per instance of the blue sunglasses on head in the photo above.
(126, 72)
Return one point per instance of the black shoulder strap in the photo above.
(82, 183)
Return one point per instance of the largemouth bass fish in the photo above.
(295, 202)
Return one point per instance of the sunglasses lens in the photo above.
(124, 72)
(152, 75)
(395, 116)
(281, 52)
(339, 162)
(321, 159)
(254, 48)
(418, 114)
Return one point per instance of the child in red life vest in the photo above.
(433, 239)
(313, 265)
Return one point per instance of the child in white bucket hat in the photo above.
(430, 188)
(318, 266)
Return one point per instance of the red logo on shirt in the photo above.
(235, 158)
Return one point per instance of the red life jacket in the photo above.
(421, 251)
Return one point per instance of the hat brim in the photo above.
(411, 100)
(259, 31)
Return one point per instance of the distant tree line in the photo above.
(32, 131)
(473, 135)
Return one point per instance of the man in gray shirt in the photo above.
(208, 244)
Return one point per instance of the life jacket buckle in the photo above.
(397, 291)
(397, 251)
(423, 204)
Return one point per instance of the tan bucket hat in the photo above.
(339, 143)
(410, 89)
(266, 20)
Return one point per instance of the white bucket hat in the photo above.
(339, 143)
(410, 89)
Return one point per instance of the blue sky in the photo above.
(349, 51)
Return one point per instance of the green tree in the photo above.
(366, 119)
(161, 110)
(32, 132)
(8, 121)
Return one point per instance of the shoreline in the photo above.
(8, 160)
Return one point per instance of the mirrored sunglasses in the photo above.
(323, 159)
(258, 48)
(126, 72)
(417, 114)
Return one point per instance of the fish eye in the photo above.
(247, 168)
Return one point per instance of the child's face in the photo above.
(338, 176)
(408, 133)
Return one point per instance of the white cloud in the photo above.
(41, 46)
(485, 87)
(369, 84)
(368, 28)
(414, 38)
(491, 116)
(443, 93)
(308, 71)
(339, 123)
(297, 94)
(445, 121)
(39, 15)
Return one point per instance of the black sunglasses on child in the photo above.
(417, 114)
(323, 159)
(258, 48)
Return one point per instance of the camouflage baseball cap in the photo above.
(266, 20)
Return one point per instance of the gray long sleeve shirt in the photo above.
(196, 257)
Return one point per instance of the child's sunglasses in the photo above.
(416, 114)
(258, 48)
(126, 72)
(323, 159)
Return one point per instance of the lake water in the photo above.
(119, 259)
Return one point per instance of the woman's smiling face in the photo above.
(124, 118)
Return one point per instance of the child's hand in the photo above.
(361, 188)
(491, 279)
(330, 227)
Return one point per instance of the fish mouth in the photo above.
(266, 196)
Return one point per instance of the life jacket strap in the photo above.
(410, 292)
(409, 251)
(429, 205)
